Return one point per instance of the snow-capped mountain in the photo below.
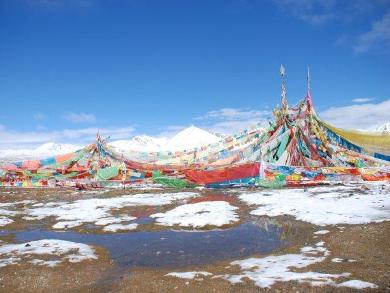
(385, 128)
(188, 138)
(45, 150)
(140, 143)
(56, 148)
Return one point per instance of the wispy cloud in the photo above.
(362, 100)
(317, 12)
(377, 37)
(311, 11)
(233, 120)
(39, 116)
(363, 116)
(16, 139)
(345, 12)
(80, 117)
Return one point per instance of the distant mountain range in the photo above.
(45, 150)
(188, 138)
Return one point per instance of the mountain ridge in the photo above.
(188, 138)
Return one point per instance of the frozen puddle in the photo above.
(56, 250)
(325, 205)
(181, 248)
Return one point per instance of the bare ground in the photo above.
(367, 244)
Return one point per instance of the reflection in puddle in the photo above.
(170, 248)
(144, 220)
(215, 197)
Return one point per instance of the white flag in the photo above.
(282, 70)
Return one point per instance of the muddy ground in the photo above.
(368, 245)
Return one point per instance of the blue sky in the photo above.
(68, 68)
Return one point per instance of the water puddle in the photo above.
(170, 248)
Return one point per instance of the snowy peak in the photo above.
(140, 143)
(187, 139)
(46, 150)
(385, 128)
(190, 138)
(56, 148)
(149, 140)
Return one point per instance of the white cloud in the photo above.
(80, 117)
(362, 100)
(39, 116)
(344, 12)
(366, 116)
(224, 121)
(233, 114)
(318, 12)
(233, 120)
(310, 11)
(378, 36)
(18, 139)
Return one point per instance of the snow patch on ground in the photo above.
(266, 271)
(278, 268)
(339, 260)
(214, 213)
(146, 186)
(48, 263)
(321, 232)
(325, 205)
(120, 227)
(282, 268)
(188, 275)
(89, 192)
(113, 220)
(7, 209)
(99, 210)
(5, 221)
(60, 250)
(357, 284)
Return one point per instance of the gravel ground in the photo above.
(368, 245)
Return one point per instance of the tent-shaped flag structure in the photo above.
(297, 149)
(93, 163)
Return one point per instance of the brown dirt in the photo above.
(367, 244)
